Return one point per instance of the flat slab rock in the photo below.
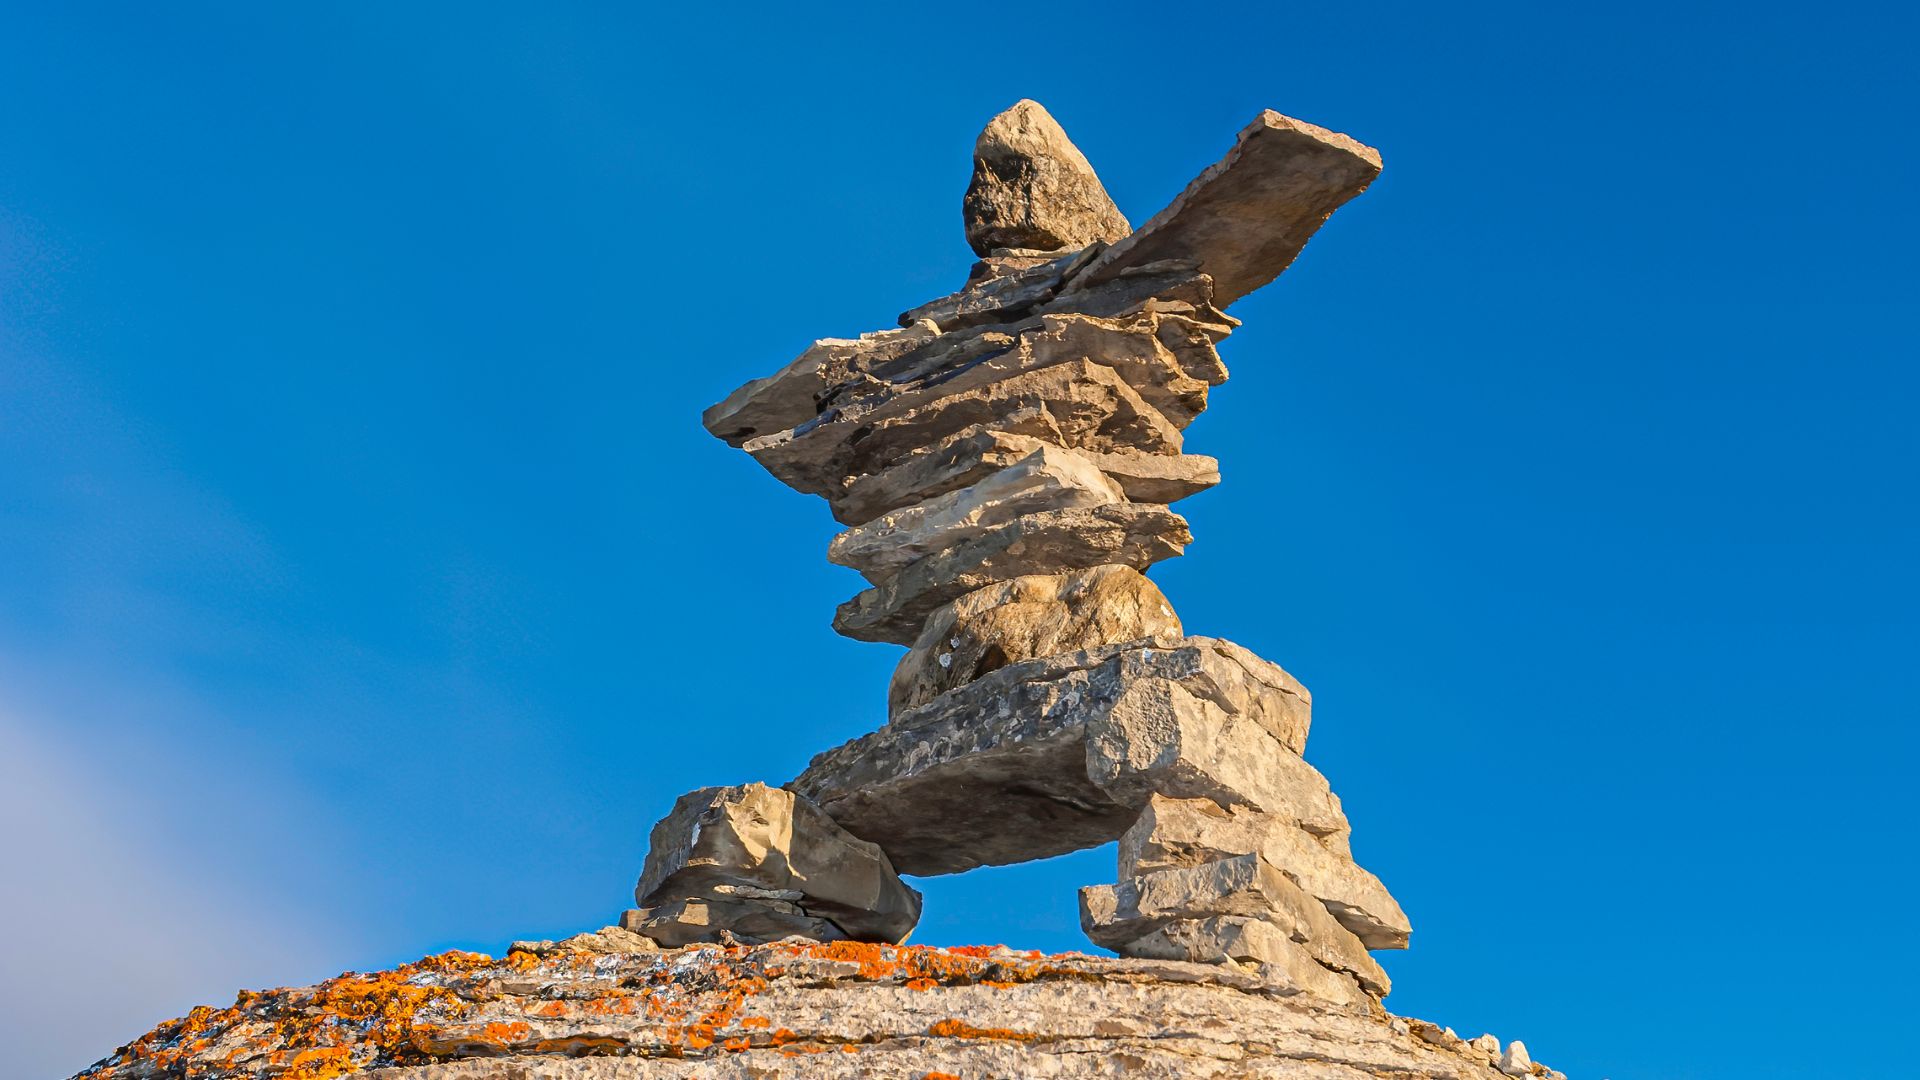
(780, 1011)
(1053, 755)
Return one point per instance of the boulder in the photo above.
(1049, 541)
(1173, 832)
(1024, 619)
(1033, 189)
(1047, 479)
(1247, 886)
(1245, 219)
(755, 845)
(1057, 754)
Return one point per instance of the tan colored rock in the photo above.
(1245, 219)
(1024, 619)
(607, 939)
(1047, 479)
(1251, 942)
(1033, 189)
(1163, 738)
(789, 397)
(1052, 755)
(680, 1015)
(1050, 541)
(1175, 833)
(975, 453)
(1007, 291)
(737, 847)
(1079, 405)
(1247, 886)
(749, 921)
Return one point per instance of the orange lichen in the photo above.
(459, 1004)
(960, 1029)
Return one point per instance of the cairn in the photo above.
(1004, 462)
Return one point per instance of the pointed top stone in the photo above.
(1033, 190)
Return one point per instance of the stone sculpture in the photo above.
(1003, 462)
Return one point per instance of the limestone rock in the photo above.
(1003, 294)
(746, 921)
(1047, 479)
(788, 398)
(971, 455)
(1190, 832)
(1247, 886)
(1025, 619)
(904, 1011)
(1245, 219)
(607, 939)
(1053, 755)
(1515, 1061)
(1032, 188)
(1049, 541)
(1252, 942)
(1080, 405)
(725, 850)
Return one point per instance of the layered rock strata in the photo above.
(594, 1008)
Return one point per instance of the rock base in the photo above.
(818, 1011)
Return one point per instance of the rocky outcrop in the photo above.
(587, 1010)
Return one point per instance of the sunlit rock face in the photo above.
(596, 1008)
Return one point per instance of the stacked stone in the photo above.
(1003, 462)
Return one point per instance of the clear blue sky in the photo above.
(368, 585)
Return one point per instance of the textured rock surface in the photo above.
(1049, 541)
(1033, 189)
(1244, 220)
(762, 863)
(1026, 619)
(840, 1010)
(1053, 755)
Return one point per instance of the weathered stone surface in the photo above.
(903, 1011)
(1176, 832)
(746, 921)
(1245, 219)
(1033, 189)
(1248, 941)
(1247, 886)
(1004, 293)
(1053, 755)
(1128, 534)
(1078, 404)
(789, 397)
(978, 452)
(1047, 479)
(607, 939)
(737, 847)
(1025, 619)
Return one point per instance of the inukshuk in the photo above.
(1004, 463)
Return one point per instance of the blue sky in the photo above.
(368, 585)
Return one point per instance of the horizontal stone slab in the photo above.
(1050, 541)
(1053, 755)
(1047, 479)
(975, 453)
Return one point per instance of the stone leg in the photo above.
(752, 864)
